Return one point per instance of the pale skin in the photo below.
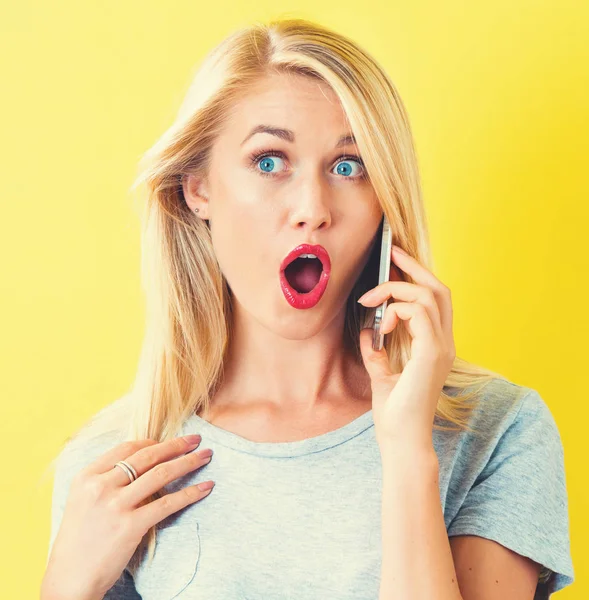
(101, 512)
(418, 559)
(254, 222)
(287, 372)
(102, 522)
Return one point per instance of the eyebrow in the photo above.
(289, 136)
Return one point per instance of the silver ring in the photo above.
(129, 470)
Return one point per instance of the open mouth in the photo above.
(303, 274)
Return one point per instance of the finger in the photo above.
(157, 510)
(424, 341)
(395, 273)
(390, 319)
(376, 361)
(413, 267)
(148, 457)
(425, 277)
(409, 292)
(153, 480)
(106, 461)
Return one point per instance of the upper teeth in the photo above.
(307, 256)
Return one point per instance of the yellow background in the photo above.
(497, 95)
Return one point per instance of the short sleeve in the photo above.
(67, 466)
(520, 498)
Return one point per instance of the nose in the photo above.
(312, 206)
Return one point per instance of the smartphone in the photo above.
(383, 275)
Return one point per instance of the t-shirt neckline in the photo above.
(196, 424)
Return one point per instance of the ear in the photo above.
(196, 195)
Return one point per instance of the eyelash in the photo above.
(257, 156)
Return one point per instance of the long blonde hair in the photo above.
(188, 324)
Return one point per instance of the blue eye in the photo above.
(345, 170)
(266, 161)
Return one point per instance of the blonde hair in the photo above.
(188, 301)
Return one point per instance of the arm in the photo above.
(417, 560)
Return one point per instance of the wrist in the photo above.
(51, 590)
(410, 456)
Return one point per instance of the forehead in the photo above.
(307, 106)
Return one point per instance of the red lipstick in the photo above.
(309, 299)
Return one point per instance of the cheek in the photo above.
(240, 240)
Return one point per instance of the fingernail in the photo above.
(193, 438)
(207, 485)
(365, 296)
(400, 250)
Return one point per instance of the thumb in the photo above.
(375, 361)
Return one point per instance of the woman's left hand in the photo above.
(404, 404)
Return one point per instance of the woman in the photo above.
(341, 471)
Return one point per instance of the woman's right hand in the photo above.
(102, 525)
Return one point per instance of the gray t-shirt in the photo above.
(302, 519)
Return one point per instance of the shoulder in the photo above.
(513, 436)
(507, 480)
(106, 429)
(504, 406)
